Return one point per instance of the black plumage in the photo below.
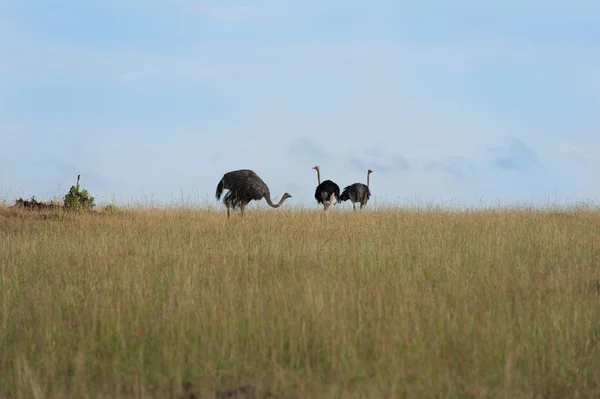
(357, 192)
(244, 186)
(325, 189)
(327, 192)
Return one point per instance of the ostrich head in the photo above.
(369, 171)
(286, 196)
(316, 167)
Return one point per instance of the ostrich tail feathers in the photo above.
(345, 195)
(220, 188)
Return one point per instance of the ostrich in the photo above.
(357, 192)
(327, 193)
(244, 186)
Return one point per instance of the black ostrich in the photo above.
(327, 193)
(357, 192)
(244, 186)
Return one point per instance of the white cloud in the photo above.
(575, 152)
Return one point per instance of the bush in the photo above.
(77, 199)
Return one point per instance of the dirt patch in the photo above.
(243, 392)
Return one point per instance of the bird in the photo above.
(357, 192)
(327, 193)
(244, 185)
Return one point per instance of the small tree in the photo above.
(77, 199)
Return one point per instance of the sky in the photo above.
(458, 102)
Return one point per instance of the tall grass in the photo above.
(419, 304)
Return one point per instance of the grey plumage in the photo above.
(244, 186)
(357, 192)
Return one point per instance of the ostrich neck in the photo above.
(368, 177)
(268, 198)
(319, 176)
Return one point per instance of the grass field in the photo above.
(379, 304)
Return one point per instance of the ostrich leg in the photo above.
(227, 203)
(332, 200)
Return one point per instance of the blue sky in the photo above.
(446, 101)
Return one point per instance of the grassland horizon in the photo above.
(388, 302)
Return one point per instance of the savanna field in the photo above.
(292, 303)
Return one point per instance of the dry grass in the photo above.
(418, 304)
